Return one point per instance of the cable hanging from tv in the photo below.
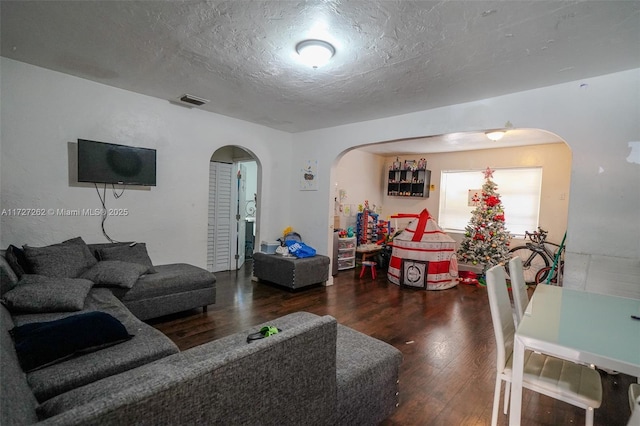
(103, 201)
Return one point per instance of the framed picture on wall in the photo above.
(474, 197)
(309, 176)
(414, 273)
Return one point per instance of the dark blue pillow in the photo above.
(44, 343)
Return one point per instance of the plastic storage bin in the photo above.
(346, 253)
(269, 248)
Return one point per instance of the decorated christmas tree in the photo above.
(486, 241)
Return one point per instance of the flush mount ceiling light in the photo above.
(495, 135)
(315, 53)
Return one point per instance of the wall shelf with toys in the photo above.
(409, 179)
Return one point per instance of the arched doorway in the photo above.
(521, 148)
(233, 209)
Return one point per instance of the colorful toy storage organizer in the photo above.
(423, 256)
(367, 227)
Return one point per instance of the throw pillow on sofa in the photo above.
(127, 253)
(115, 273)
(68, 259)
(45, 343)
(17, 260)
(8, 278)
(37, 293)
(89, 258)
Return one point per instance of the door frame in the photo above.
(233, 155)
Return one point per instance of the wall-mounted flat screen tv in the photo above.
(102, 162)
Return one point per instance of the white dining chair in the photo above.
(634, 404)
(563, 380)
(518, 287)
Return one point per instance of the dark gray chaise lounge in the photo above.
(172, 288)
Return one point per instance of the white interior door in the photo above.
(219, 238)
(241, 215)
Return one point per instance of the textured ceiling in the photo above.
(392, 57)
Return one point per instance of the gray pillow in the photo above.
(17, 260)
(126, 253)
(115, 273)
(65, 260)
(89, 258)
(8, 278)
(37, 293)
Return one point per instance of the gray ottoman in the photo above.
(291, 272)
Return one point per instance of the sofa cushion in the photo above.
(17, 405)
(89, 257)
(96, 247)
(168, 279)
(127, 253)
(147, 345)
(18, 261)
(37, 293)
(68, 259)
(114, 273)
(40, 344)
(367, 371)
(8, 278)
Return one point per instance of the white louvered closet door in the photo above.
(219, 244)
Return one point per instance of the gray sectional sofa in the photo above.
(314, 372)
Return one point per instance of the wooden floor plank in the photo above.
(446, 337)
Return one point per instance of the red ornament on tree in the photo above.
(492, 201)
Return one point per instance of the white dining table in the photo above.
(577, 326)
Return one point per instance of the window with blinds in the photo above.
(519, 190)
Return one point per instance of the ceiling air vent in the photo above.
(193, 100)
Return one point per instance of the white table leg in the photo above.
(516, 382)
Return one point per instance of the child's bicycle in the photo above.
(540, 263)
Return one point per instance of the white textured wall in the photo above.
(597, 117)
(361, 175)
(42, 111)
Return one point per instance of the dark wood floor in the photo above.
(448, 373)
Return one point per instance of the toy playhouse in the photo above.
(423, 255)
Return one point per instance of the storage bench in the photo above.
(290, 271)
